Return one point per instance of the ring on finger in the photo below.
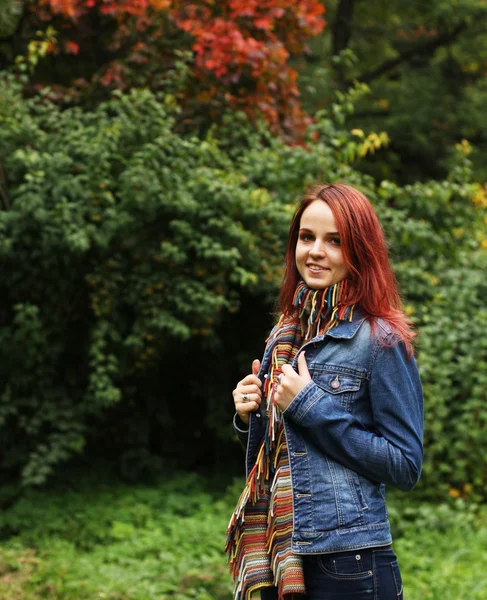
(278, 379)
(246, 398)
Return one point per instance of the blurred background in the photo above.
(151, 153)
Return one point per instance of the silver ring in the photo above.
(245, 398)
(278, 379)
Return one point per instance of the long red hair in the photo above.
(374, 286)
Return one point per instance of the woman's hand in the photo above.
(291, 383)
(247, 396)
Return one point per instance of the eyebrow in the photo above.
(328, 233)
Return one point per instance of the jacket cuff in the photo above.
(241, 429)
(303, 402)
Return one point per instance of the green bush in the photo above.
(139, 269)
(90, 538)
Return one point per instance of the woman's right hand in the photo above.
(247, 396)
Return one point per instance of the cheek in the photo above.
(300, 254)
(336, 257)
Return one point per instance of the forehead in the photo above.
(318, 215)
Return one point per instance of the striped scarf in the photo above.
(260, 529)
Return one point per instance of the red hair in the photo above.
(374, 286)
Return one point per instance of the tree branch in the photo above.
(428, 48)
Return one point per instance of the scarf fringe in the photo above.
(259, 533)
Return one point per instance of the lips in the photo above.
(316, 268)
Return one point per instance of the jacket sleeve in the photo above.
(241, 429)
(392, 453)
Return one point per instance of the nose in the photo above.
(317, 249)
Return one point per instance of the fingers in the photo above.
(247, 396)
(250, 380)
(303, 367)
(288, 371)
(245, 404)
(290, 383)
(240, 390)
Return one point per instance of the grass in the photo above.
(113, 541)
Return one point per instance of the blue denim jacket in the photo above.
(356, 427)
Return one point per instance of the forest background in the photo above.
(151, 152)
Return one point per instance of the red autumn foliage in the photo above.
(240, 47)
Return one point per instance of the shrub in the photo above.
(140, 267)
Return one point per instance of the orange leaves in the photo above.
(241, 47)
(249, 41)
(71, 47)
(160, 4)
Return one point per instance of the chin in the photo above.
(317, 283)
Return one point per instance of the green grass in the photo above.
(118, 542)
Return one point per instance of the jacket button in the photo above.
(335, 384)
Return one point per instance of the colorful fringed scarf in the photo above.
(260, 529)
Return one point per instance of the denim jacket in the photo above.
(356, 427)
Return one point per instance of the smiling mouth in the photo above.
(317, 268)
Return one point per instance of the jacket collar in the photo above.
(347, 329)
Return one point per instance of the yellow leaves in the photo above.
(479, 196)
(96, 218)
(472, 67)
(464, 492)
(37, 49)
(409, 310)
(464, 147)
(367, 144)
(374, 141)
(259, 197)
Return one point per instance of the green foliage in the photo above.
(140, 268)
(425, 65)
(165, 541)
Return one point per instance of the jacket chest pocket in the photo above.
(343, 384)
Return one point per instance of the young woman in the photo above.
(332, 414)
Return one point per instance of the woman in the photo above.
(332, 415)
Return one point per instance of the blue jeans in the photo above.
(357, 575)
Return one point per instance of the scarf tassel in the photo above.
(258, 544)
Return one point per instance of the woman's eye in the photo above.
(306, 237)
(335, 241)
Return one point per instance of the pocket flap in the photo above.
(337, 383)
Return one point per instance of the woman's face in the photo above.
(319, 258)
